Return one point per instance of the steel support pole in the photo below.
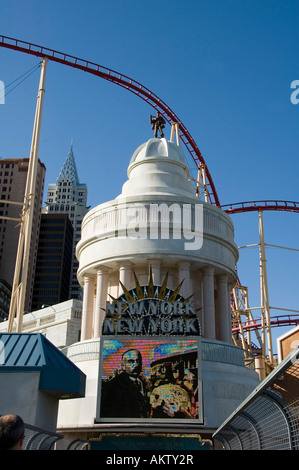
(204, 182)
(266, 320)
(22, 260)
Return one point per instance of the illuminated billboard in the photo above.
(150, 379)
(151, 310)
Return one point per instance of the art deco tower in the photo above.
(69, 196)
(150, 261)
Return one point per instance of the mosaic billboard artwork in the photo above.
(150, 379)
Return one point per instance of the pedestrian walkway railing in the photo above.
(39, 439)
(269, 418)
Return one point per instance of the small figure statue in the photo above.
(158, 124)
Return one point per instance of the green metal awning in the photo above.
(27, 352)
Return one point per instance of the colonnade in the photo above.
(215, 314)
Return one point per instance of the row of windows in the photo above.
(42, 285)
(40, 280)
(51, 235)
(51, 251)
(55, 228)
(7, 165)
(49, 292)
(57, 210)
(51, 244)
(45, 300)
(49, 255)
(62, 208)
(3, 196)
(69, 183)
(49, 262)
(54, 221)
(42, 270)
(5, 181)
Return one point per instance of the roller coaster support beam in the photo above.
(17, 303)
(265, 306)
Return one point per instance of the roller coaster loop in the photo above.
(125, 82)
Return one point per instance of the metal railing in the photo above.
(79, 444)
(39, 439)
(269, 418)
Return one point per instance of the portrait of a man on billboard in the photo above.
(149, 379)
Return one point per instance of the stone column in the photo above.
(87, 307)
(101, 297)
(209, 328)
(224, 315)
(184, 275)
(155, 265)
(125, 272)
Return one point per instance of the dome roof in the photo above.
(158, 167)
(157, 148)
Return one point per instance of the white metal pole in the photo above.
(266, 320)
(205, 186)
(22, 260)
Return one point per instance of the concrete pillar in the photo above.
(125, 273)
(155, 265)
(209, 329)
(184, 275)
(224, 316)
(260, 367)
(87, 307)
(101, 297)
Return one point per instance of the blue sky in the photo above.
(224, 67)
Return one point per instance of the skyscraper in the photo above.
(54, 258)
(69, 196)
(13, 176)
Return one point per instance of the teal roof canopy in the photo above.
(27, 352)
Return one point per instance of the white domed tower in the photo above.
(158, 249)
(157, 223)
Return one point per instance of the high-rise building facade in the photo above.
(69, 196)
(5, 295)
(54, 259)
(13, 176)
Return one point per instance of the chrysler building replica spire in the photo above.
(69, 196)
(69, 169)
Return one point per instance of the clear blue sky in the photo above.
(224, 67)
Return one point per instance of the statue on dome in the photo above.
(158, 124)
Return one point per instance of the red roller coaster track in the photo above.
(125, 82)
(153, 100)
(269, 205)
(265, 205)
(277, 321)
